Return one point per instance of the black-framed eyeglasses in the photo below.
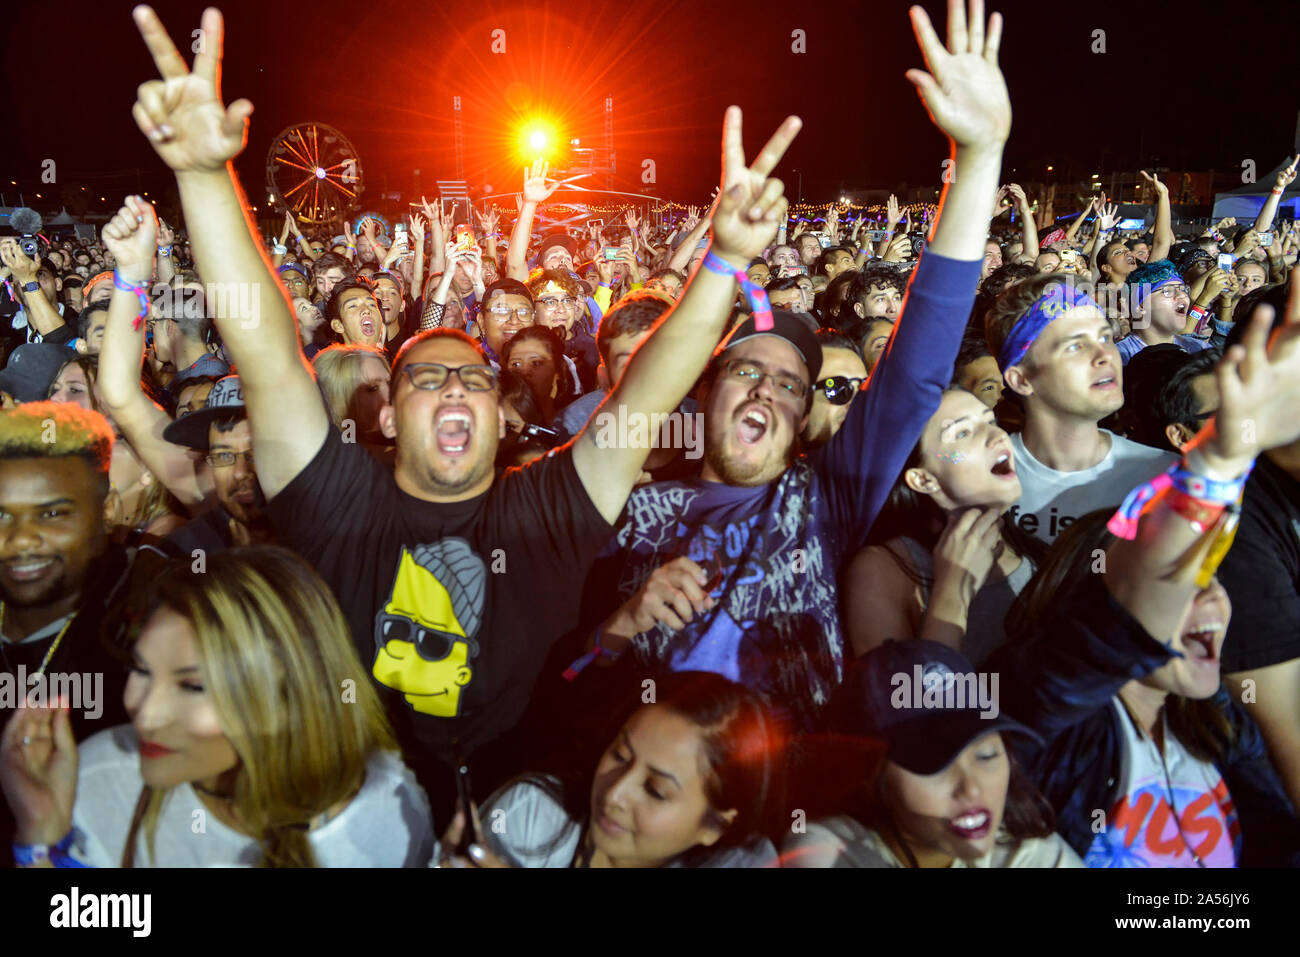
(224, 460)
(839, 389)
(752, 374)
(550, 302)
(432, 376)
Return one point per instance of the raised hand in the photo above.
(1000, 202)
(1153, 181)
(417, 227)
(488, 221)
(536, 189)
(39, 777)
(750, 204)
(1018, 194)
(449, 220)
(1108, 217)
(893, 214)
(130, 236)
(166, 236)
(964, 90)
(632, 221)
(182, 113)
(1286, 176)
(1259, 389)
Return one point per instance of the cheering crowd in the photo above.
(726, 542)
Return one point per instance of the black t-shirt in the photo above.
(453, 606)
(1262, 573)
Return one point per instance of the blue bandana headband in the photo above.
(1050, 306)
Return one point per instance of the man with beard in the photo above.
(455, 581)
(58, 569)
(221, 430)
(735, 572)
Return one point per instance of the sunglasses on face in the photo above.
(839, 389)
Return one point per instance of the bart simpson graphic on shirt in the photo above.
(425, 635)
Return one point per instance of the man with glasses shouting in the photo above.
(488, 569)
(736, 572)
(1159, 303)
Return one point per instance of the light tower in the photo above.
(609, 140)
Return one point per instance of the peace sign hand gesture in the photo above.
(750, 204)
(182, 113)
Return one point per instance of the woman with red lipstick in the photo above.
(948, 793)
(252, 741)
(944, 561)
(688, 781)
(1115, 650)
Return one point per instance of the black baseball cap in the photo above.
(31, 370)
(511, 287)
(883, 697)
(191, 430)
(556, 239)
(785, 325)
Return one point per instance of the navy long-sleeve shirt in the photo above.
(779, 547)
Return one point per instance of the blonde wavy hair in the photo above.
(338, 376)
(278, 662)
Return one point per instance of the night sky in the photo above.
(384, 74)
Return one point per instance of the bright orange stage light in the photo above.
(538, 139)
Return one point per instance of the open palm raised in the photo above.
(182, 113)
(964, 90)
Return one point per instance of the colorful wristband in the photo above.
(597, 651)
(754, 293)
(1205, 490)
(164, 250)
(139, 289)
(1201, 515)
(31, 855)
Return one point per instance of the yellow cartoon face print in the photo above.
(425, 636)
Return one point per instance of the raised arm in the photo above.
(967, 99)
(1028, 228)
(1154, 576)
(43, 317)
(198, 137)
(1075, 226)
(1264, 221)
(129, 236)
(1164, 231)
(536, 191)
(667, 364)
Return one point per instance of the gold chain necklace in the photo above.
(53, 648)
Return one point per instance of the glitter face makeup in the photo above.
(956, 458)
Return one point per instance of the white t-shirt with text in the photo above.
(1051, 501)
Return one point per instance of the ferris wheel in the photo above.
(313, 170)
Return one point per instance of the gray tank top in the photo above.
(984, 622)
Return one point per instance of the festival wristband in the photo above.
(1208, 492)
(1277, 192)
(597, 651)
(1201, 515)
(139, 289)
(758, 301)
(33, 855)
(164, 250)
(32, 286)
(1202, 317)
